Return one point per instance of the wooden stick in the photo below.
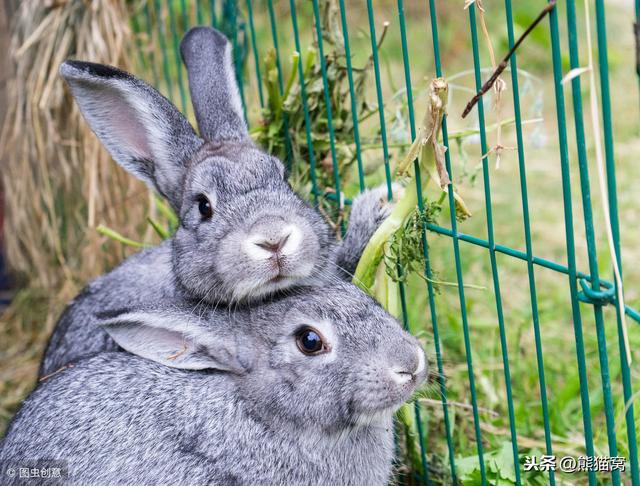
(503, 64)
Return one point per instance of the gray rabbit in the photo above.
(299, 390)
(243, 232)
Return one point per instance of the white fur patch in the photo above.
(233, 92)
(293, 240)
(400, 375)
(421, 362)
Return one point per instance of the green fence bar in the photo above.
(388, 179)
(492, 252)
(352, 94)
(568, 219)
(176, 54)
(256, 57)
(274, 35)
(232, 7)
(458, 263)
(199, 14)
(603, 68)
(544, 404)
(305, 106)
(327, 100)
(590, 234)
(425, 249)
(376, 71)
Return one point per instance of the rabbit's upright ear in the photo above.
(214, 91)
(173, 338)
(140, 128)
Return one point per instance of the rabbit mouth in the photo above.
(267, 286)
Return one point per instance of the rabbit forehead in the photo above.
(235, 175)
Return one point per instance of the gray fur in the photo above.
(212, 84)
(277, 417)
(142, 278)
(368, 211)
(207, 259)
(139, 127)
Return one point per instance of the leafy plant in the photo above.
(282, 129)
(499, 469)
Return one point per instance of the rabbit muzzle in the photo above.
(277, 247)
(398, 369)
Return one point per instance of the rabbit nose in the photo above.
(412, 366)
(269, 242)
(272, 245)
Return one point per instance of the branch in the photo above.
(503, 65)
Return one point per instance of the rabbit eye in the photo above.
(311, 342)
(204, 206)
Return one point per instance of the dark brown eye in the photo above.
(310, 342)
(204, 206)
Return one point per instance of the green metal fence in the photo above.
(255, 26)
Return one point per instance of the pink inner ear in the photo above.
(125, 125)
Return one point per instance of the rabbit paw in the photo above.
(374, 204)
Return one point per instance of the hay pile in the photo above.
(59, 183)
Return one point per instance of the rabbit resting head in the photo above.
(324, 357)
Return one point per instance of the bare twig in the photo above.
(178, 353)
(503, 64)
(59, 370)
(465, 406)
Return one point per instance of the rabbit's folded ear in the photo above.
(140, 128)
(214, 91)
(174, 339)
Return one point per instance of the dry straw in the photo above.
(59, 183)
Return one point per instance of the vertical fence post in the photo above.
(590, 233)
(570, 243)
(254, 48)
(528, 244)
(327, 100)
(352, 94)
(492, 251)
(458, 262)
(603, 68)
(274, 35)
(305, 106)
(425, 248)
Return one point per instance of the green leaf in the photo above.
(162, 232)
(114, 235)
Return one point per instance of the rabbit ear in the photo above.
(173, 338)
(140, 128)
(212, 83)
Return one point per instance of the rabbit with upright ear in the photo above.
(243, 232)
(300, 390)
